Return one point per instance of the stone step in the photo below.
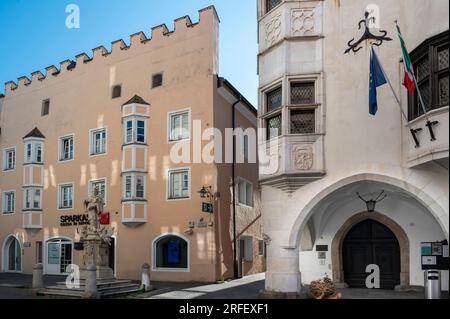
(99, 283)
(78, 293)
(100, 288)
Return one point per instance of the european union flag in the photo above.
(377, 78)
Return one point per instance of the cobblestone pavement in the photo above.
(17, 286)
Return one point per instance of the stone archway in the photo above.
(338, 240)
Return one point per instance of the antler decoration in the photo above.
(355, 46)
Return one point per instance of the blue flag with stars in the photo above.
(377, 78)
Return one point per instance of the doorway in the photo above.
(59, 256)
(12, 255)
(370, 242)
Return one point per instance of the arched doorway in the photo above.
(12, 255)
(370, 242)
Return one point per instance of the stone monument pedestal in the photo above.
(96, 252)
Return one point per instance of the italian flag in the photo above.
(408, 81)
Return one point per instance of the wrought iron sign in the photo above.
(356, 46)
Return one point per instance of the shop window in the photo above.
(171, 252)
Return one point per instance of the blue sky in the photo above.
(34, 34)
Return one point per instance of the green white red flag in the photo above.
(408, 81)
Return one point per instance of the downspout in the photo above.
(233, 174)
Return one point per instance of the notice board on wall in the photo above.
(434, 255)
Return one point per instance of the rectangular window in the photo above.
(431, 67)
(98, 142)
(135, 131)
(128, 187)
(8, 202)
(274, 99)
(134, 187)
(179, 184)
(129, 132)
(179, 126)
(245, 192)
(302, 93)
(9, 159)
(274, 126)
(246, 248)
(116, 91)
(157, 80)
(303, 121)
(39, 252)
(140, 186)
(45, 107)
(270, 4)
(140, 132)
(261, 247)
(33, 152)
(66, 148)
(32, 198)
(66, 196)
(100, 185)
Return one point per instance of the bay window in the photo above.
(32, 198)
(134, 187)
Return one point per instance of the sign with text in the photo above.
(435, 255)
(74, 220)
(207, 208)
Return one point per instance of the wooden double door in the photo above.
(370, 242)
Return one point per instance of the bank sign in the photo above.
(74, 220)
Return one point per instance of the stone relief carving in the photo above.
(302, 22)
(273, 30)
(303, 157)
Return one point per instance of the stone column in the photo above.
(90, 290)
(38, 277)
(283, 273)
(146, 285)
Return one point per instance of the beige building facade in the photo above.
(111, 121)
(314, 107)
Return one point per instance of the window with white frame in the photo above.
(179, 184)
(33, 152)
(179, 128)
(245, 192)
(9, 159)
(134, 186)
(32, 198)
(66, 148)
(65, 196)
(8, 200)
(98, 141)
(135, 131)
(100, 185)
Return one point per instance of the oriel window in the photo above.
(303, 121)
(302, 93)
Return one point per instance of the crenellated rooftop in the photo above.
(138, 38)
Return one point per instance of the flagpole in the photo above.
(393, 92)
(415, 83)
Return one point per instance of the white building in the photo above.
(330, 148)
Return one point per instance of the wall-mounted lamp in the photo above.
(205, 192)
(371, 203)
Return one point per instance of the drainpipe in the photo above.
(233, 173)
